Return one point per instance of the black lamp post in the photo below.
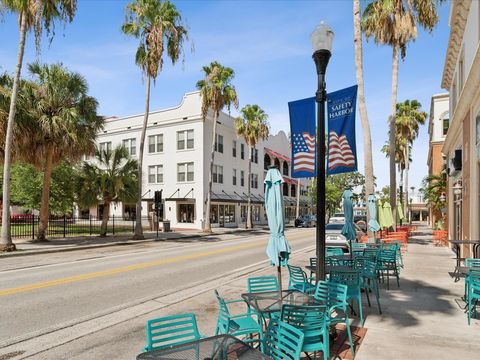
(322, 38)
(401, 199)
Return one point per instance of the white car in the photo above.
(334, 237)
(337, 218)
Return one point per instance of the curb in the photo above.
(117, 243)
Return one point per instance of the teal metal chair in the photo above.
(358, 247)
(352, 279)
(334, 296)
(370, 281)
(282, 341)
(387, 264)
(237, 325)
(313, 262)
(333, 251)
(171, 330)
(473, 293)
(312, 321)
(262, 284)
(371, 252)
(298, 280)
(473, 264)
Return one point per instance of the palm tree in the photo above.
(252, 126)
(394, 23)
(409, 117)
(217, 92)
(433, 187)
(112, 177)
(158, 25)
(36, 15)
(65, 127)
(367, 139)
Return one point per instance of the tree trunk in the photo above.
(407, 167)
(47, 177)
(367, 139)
(6, 243)
(297, 210)
(249, 190)
(138, 216)
(105, 216)
(207, 226)
(393, 180)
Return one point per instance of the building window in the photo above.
(234, 178)
(242, 151)
(266, 161)
(131, 145)
(185, 172)
(254, 156)
(293, 190)
(155, 174)
(218, 174)
(254, 181)
(186, 213)
(242, 178)
(445, 124)
(219, 143)
(285, 168)
(285, 189)
(255, 213)
(106, 146)
(234, 148)
(185, 139)
(129, 211)
(155, 143)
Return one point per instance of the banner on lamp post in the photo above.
(342, 149)
(302, 130)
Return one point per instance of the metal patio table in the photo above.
(456, 247)
(268, 302)
(224, 347)
(329, 269)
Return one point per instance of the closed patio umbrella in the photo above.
(278, 249)
(348, 229)
(400, 214)
(387, 212)
(381, 215)
(373, 224)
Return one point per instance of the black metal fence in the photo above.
(26, 226)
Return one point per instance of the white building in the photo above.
(461, 77)
(177, 159)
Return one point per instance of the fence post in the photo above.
(33, 226)
(90, 220)
(64, 225)
(113, 224)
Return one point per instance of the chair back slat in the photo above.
(283, 341)
(171, 330)
(333, 251)
(311, 320)
(332, 294)
(471, 262)
(351, 278)
(297, 275)
(262, 284)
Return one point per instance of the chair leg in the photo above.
(359, 300)
(349, 333)
(367, 290)
(377, 295)
(398, 277)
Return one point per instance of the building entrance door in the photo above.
(221, 215)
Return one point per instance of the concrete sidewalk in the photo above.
(28, 247)
(420, 320)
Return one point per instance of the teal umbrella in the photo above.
(373, 224)
(278, 249)
(348, 229)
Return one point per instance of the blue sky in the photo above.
(267, 43)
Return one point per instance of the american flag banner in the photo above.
(342, 150)
(302, 130)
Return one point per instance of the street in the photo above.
(45, 292)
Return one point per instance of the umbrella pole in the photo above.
(279, 275)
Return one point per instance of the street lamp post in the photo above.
(322, 38)
(401, 200)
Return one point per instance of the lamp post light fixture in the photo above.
(457, 188)
(322, 38)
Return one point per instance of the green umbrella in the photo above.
(400, 214)
(387, 212)
(348, 229)
(278, 249)
(381, 215)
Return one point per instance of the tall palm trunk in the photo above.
(249, 189)
(367, 139)
(207, 226)
(105, 216)
(407, 168)
(138, 216)
(47, 177)
(6, 243)
(392, 127)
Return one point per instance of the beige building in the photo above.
(437, 130)
(461, 77)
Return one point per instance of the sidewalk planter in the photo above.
(166, 226)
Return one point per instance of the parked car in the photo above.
(306, 221)
(337, 217)
(334, 237)
(21, 218)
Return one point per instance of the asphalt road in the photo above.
(40, 292)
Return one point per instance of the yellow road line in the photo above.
(93, 275)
